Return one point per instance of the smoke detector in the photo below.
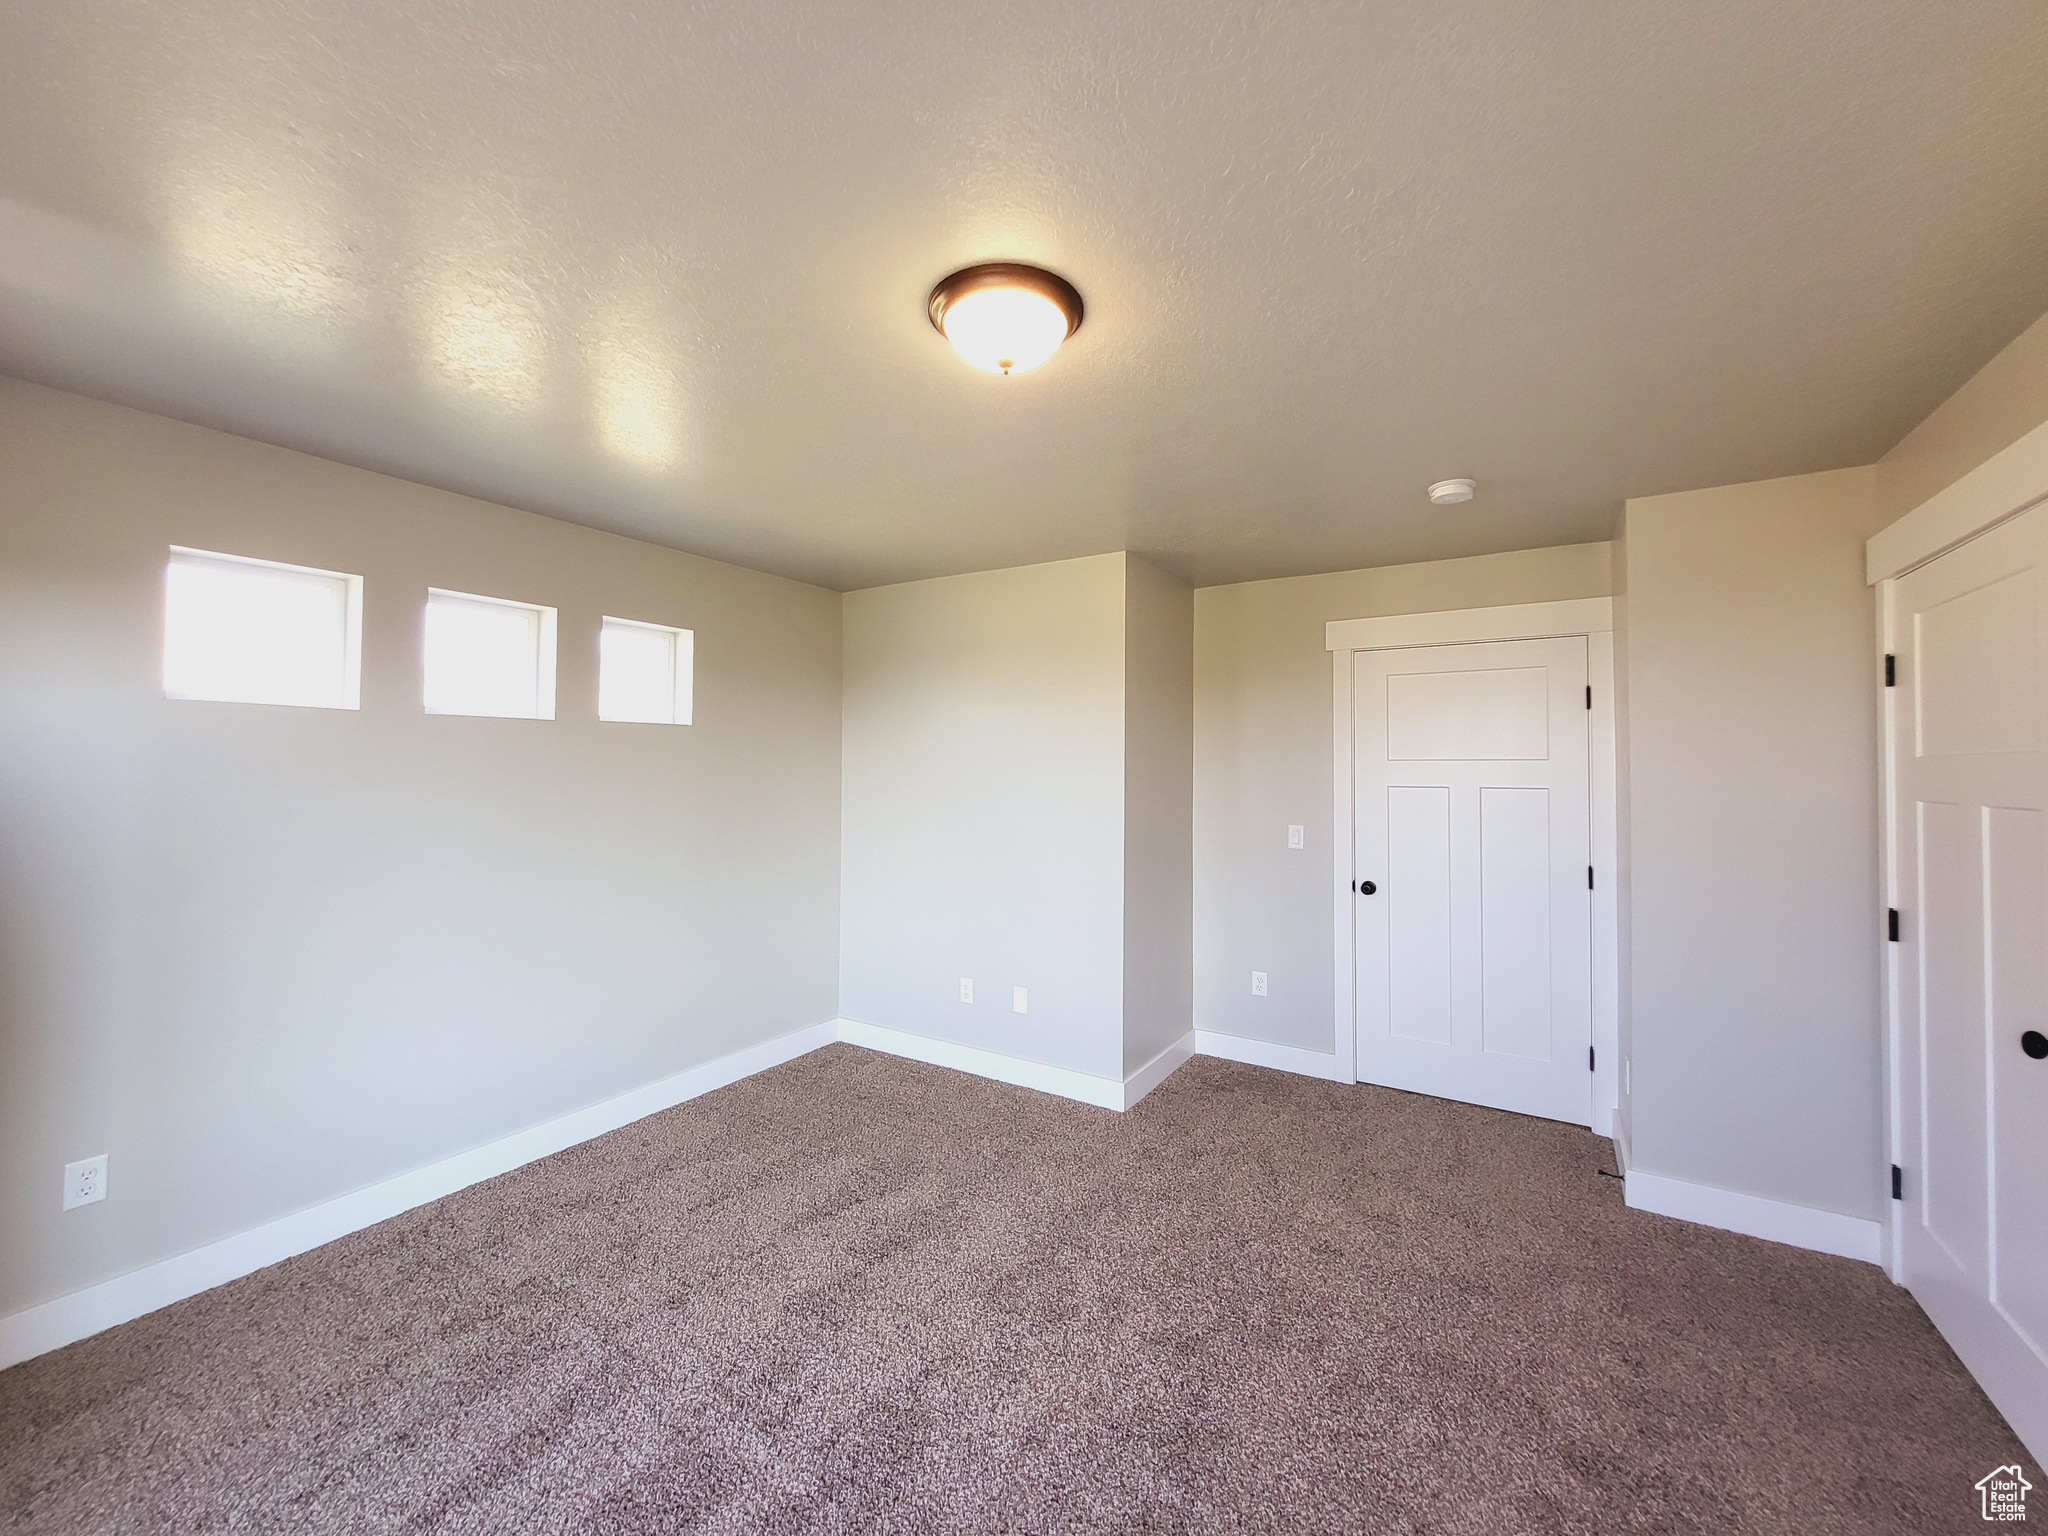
(1448, 493)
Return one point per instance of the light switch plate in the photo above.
(1020, 1000)
(1294, 835)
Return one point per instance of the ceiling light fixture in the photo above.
(1448, 493)
(1005, 317)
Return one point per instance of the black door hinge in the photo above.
(1898, 1182)
(1891, 924)
(1589, 695)
(1891, 671)
(1589, 877)
(1589, 1058)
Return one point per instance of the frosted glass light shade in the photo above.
(1005, 317)
(1006, 330)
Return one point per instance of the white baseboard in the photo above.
(83, 1313)
(1106, 1092)
(1263, 1053)
(1103, 1092)
(1158, 1069)
(1851, 1237)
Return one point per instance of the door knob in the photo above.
(2034, 1043)
(1366, 888)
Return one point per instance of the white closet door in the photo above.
(1473, 827)
(1970, 831)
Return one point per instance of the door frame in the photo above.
(1591, 617)
(2010, 482)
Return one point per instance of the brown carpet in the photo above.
(861, 1294)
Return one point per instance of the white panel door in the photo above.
(1970, 834)
(1472, 820)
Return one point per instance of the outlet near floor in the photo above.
(85, 1182)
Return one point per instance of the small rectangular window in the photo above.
(488, 656)
(644, 672)
(245, 631)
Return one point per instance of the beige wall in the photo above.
(983, 810)
(1748, 787)
(1016, 810)
(1262, 762)
(1159, 812)
(1755, 920)
(2002, 403)
(264, 956)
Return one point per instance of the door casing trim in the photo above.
(2002, 487)
(1592, 617)
(2012, 481)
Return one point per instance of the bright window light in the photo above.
(486, 656)
(644, 672)
(255, 632)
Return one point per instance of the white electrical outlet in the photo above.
(966, 990)
(1294, 837)
(1258, 983)
(85, 1182)
(1020, 1000)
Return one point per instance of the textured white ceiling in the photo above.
(661, 268)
